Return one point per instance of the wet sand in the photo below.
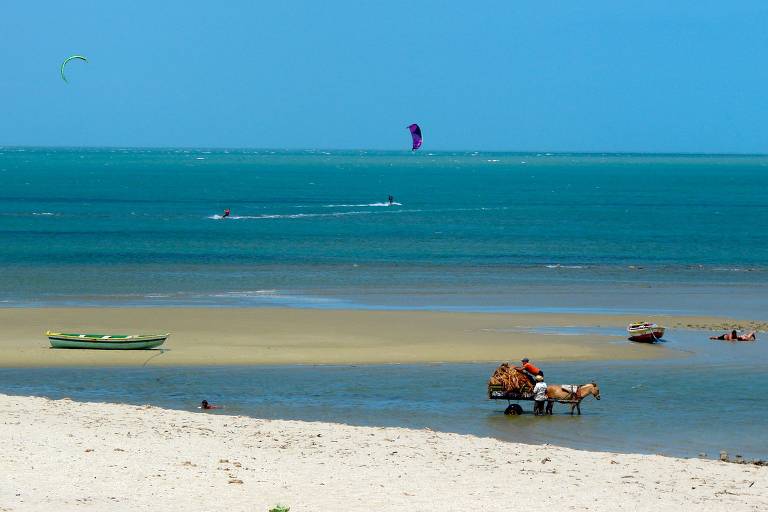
(64, 455)
(245, 336)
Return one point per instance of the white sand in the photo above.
(64, 455)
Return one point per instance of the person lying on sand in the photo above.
(734, 336)
(205, 405)
(729, 336)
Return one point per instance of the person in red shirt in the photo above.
(529, 370)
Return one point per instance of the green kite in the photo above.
(63, 64)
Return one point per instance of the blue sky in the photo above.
(655, 76)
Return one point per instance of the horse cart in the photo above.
(510, 384)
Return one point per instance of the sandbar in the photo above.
(250, 336)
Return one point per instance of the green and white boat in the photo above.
(106, 341)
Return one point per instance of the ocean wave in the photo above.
(361, 205)
(557, 265)
(287, 215)
(29, 214)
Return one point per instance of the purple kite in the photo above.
(416, 134)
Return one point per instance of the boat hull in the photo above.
(647, 335)
(139, 342)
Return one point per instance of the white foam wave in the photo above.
(43, 213)
(557, 265)
(361, 205)
(287, 216)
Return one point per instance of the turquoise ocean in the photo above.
(608, 233)
(474, 231)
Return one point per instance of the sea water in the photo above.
(705, 403)
(467, 230)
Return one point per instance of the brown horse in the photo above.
(556, 392)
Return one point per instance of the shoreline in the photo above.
(199, 461)
(284, 336)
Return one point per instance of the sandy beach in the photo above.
(208, 336)
(65, 455)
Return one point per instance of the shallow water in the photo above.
(707, 402)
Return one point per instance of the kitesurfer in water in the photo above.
(226, 214)
(391, 199)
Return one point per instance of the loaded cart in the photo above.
(510, 384)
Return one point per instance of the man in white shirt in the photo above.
(539, 396)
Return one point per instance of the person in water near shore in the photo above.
(205, 405)
(529, 370)
(226, 214)
(734, 336)
(727, 336)
(539, 396)
(390, 199)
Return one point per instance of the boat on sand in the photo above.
(645, 332)
(106, 341)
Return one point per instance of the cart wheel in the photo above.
(513, 410)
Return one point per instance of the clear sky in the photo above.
(549, 75)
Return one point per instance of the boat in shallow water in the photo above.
(106, 341)
(645, 332)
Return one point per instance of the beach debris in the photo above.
(415, 135)
(88, 450)
(235, 481)
(724, 456)
(279, 508)
(545, 460)
(66, 61)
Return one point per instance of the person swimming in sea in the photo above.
(205, 405)
(734, 336)
(391, 199)
(226, 214)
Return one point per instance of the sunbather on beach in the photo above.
(729, 336)
(734, 336)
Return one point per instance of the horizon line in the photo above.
(404, 151)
